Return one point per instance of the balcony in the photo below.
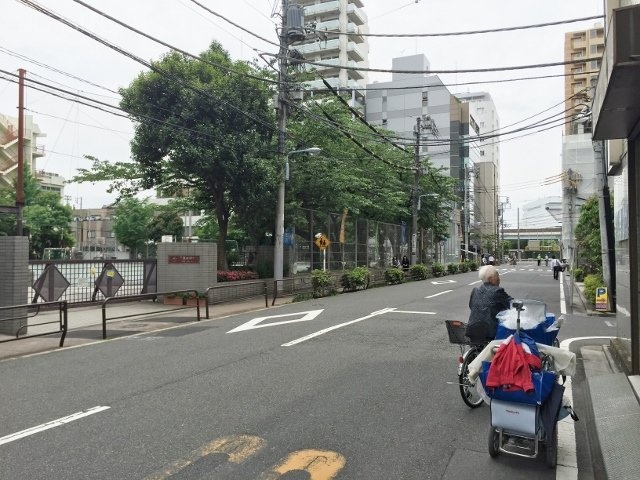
(322, 10)
(355, 15)
(38, 151)
(320, 46)
(616, 104)
(354, 52)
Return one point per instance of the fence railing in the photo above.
(227, 292)
(30, 311)
(147, 296)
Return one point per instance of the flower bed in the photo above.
(236, 275)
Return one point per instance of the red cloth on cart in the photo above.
(511, 366)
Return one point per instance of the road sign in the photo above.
(322, 242)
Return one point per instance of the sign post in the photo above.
(602, 300)
(323, 243)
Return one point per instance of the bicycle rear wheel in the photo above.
(468, 391)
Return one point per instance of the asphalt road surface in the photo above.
(347, 387)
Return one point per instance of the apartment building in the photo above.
(581, 78)
(31, 152)
(337, 40)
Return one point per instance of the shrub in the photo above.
(578, 274)
(264, 269)
(463, 267)
(323, 284)
(437, 269)
(236, 275)
(355, 279)
(473, 266)
(591, 283)
(452, 268)
(419, 272)
(394, 275)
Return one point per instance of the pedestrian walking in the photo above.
(555, 265)
(539, 259)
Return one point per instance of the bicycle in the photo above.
(468, 353)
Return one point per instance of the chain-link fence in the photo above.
(352, 242)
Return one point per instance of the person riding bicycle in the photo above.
(485, 302)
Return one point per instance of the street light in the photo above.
(278, 253)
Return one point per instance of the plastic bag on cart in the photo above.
(534, 321)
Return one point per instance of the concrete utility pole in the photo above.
(20, 182)
(607, 238)
(414, 193)
(278, 253)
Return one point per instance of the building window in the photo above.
(482, 153)
(595, 64)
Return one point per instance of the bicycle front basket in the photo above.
(456, 330)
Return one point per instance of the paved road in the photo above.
(347, 387)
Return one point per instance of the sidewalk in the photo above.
(614, 400)
(85, 323)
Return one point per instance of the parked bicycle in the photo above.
(468, 352)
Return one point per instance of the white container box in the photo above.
(516, 418)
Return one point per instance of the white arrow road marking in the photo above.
(443, 282)
(257, 322)
(438, 294)
(608, 323)
(335, 327)
(46, 426)
(477, 281)
(411, 312)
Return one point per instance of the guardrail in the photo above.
(248, 287)
(62, 321)
(146, 296)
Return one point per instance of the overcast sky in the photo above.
(75, 130)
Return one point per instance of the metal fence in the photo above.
(83, 281)
(353, 242)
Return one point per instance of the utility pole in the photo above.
(20, 181)
(278, 253)
(414, 193)
(518, 254)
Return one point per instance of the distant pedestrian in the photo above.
(492, 261)
(556, 266)
(539, 259)
(396, 263)
(405, 263)
(546, 260)
(484, 259)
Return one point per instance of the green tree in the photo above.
(166, 221)
(587, 234)
(132, 224)
(201, 129)
(47, 221)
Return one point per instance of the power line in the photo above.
(234, 24)
(469, 32)
(172, 47)
(419, 72)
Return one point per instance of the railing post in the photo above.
(275, 292)
(266, 295)
(65, 322)
(104, 319)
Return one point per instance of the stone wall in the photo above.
(14, 282)
(186, 266)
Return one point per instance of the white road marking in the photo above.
(335, 327)
(609, 324)
(567, 467)
(477, 281)
(257, 322)
(46, 426)
(443, 282)
(438, 294)
(410, 311)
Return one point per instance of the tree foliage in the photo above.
(46, 219)
(132, 223)
(197, 128)
(587, 234)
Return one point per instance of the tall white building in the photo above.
(31, 152)
(338, 41)
(445, 126)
